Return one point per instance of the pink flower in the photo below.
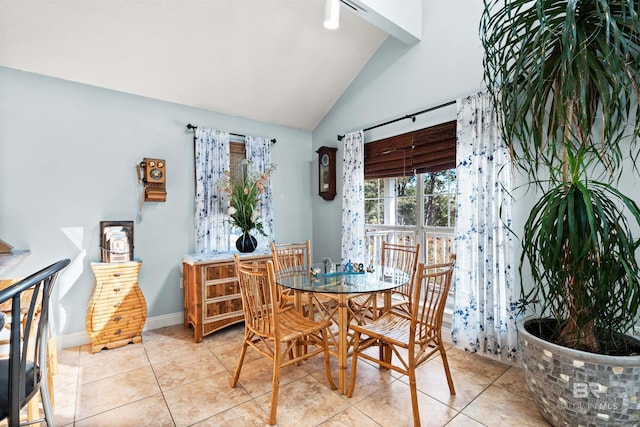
(246, 190)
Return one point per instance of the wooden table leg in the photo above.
(343, 350)
(299, 306)
(385, 352)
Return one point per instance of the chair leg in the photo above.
(52, 352)
(374, 307)
(327, 362)
(275, 385)
(354, 363)
(443, 354)
(385, 353)
(52, 368)
(33, 411)
(236, 374)
(414, 395)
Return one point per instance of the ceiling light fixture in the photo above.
(332, 14)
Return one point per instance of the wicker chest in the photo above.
(212, 299)
(117, 310)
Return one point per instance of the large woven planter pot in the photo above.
(576, 388)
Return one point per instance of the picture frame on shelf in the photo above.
(116, 241)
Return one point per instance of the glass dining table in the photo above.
(341, 287)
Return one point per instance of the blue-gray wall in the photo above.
(67, 161)
(68, 151)
(398, 80)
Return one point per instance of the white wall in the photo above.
(67, 161)
(398, 80)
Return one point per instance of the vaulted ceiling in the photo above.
(267, 60)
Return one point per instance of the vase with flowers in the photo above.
(244, 191)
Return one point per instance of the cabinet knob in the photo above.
(118, 318)
(117, 304)
(116, 274)
(118, 332)
(117, 288)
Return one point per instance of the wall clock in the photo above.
(327, 172)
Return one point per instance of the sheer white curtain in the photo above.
(485, 308)
(211, 161)
(258, 150)
(353, 239)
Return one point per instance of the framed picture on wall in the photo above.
(116, 241)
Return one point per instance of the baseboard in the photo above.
(80, 338)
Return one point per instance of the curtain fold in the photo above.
(211, 161)
(484, 314)
(258, 150)
(353, 218)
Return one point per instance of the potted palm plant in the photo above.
(564, 76)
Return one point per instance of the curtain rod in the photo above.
(194, 127)
(411, 116)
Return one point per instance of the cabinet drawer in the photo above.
(223, 270)
(118, 316)
(119, 285)
(221, 306)
(216, 290)
(117, 291)
(111, 275)
(115, 301)
(117, 333)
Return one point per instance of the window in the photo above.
(410, 191)
(398, 206)
(374, 201)
(237, 153)
(409, 170)
(439, 198)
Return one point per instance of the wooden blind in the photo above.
(431, 149)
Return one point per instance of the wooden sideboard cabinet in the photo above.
(212, 297)
(117, 310)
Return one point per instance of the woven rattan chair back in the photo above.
(401, 257)
(292, 257)
(430, 291)
(258, 298)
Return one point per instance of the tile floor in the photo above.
(170, 381)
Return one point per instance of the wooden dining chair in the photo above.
(273, 331)
(295, 258)
(400, 257)
(24, 373)
(413, 338)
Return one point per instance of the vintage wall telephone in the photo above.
(152, 174)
